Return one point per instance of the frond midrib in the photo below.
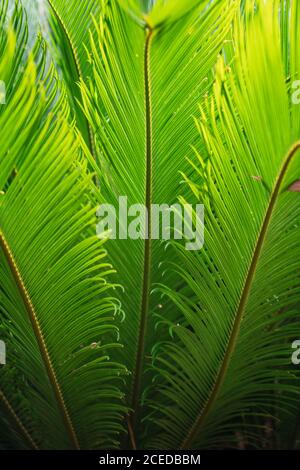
(147, 247)
(18, 421)
(40, 339)
(194, 430)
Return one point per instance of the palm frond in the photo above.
(148, 74)
(229, 359)
(59, 388)
(71, 35)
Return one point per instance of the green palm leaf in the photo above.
(149, 70)
(58, 389)
(230, 355)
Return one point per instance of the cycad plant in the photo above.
(141, 343)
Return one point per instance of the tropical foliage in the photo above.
(142, 343)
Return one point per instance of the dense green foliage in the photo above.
(142, 343)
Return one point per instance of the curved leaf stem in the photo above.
(147, 248)
(40, 340)
(188, 441)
